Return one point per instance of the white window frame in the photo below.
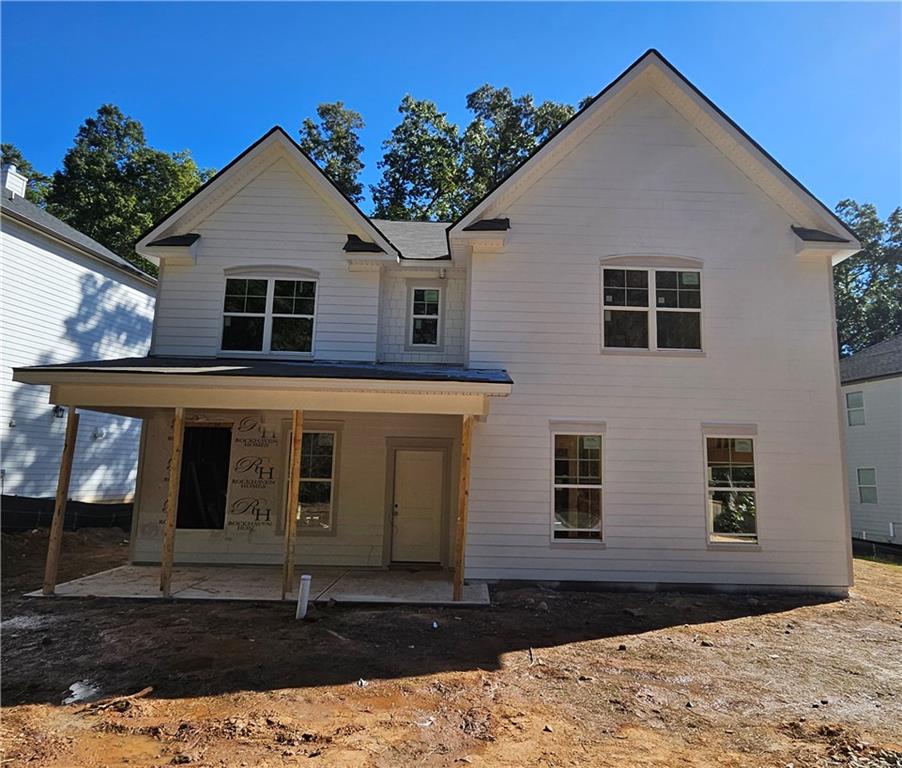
(413, 317)
(749, 433)
(570, 431)
(268, 316)
(333, 481)
(652, 309)
(855, 409)
(867, 485)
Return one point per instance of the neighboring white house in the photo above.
(64, 298)
(872, 392)
(636, 327)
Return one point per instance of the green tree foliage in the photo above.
(432, 170)
(38, 183)
(113, 186)
(868, 286)
(334, 145)
(422, 175)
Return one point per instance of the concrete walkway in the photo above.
(234, 582)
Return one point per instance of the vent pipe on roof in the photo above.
(13, 182)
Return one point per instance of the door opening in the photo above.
(205, 477)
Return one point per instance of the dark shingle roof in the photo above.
(877, 361)
(416, 239)
(356, 245)
(301, 369)
(818, 236)
(28, 213)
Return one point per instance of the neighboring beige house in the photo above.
(619, 366)
(872, 393)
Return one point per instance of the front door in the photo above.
(417, 508)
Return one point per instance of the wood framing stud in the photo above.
(291, 503)
(172, 501)
(59, 508)
(463, 497)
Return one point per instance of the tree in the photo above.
(868, 286)
(334, 145)
(504, 132)
(113, 186)
(38, 183)
(422, 175)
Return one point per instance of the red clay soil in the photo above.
(541, 678)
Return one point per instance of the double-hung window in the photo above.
(732, 495)
(867, 485)
(855, 408)
(268, 315)
(317, 488)
(425, 317)
(577, 486)
(654, 309)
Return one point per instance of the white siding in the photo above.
(275, 219)
(394, 333)
(58, 306)
(877, 444)
(361, 504)
(646, 182)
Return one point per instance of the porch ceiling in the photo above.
(133, 384)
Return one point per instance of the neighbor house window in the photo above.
(268, 315)
(855, 408)
(867, 485)
(577, 487)
(656, 309)
(317, 491)
(425, 307)
(732, 498)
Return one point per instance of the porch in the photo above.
(305, 465)
(236, 582)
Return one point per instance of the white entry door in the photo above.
(417, 509)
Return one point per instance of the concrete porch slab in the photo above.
(142, 582)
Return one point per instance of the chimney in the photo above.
(13, 182)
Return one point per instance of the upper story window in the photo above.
(425, 317)
(855, 408)
(268, 315)
(655, 309)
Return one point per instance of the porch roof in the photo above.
(128, 385)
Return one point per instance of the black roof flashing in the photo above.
(489, 225)
(356, 245)
(817, 236)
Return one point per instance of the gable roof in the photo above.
(875, 362)
(653, 62)
(29, 214)
(315, 175)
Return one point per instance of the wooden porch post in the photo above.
(463, 496)
(172, 501)
(291, 503)
(59, 508)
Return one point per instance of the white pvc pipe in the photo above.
(303, 596)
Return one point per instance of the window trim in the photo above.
(425, 285)
(861, 485)
(850, 409)
(731, 432)
(268, 316)
(577, 428)
(651, 309)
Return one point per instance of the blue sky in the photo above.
(819, 85)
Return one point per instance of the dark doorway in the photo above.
(205, 477)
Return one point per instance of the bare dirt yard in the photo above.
(541, 678)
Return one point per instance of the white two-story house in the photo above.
(619, 366)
